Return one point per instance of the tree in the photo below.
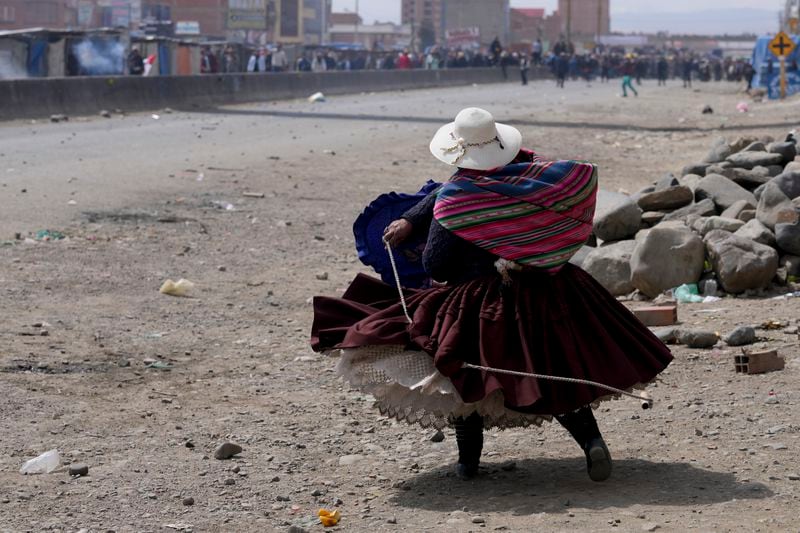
(427, 35)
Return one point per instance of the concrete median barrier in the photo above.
(35, 98)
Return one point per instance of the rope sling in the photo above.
(647, 401)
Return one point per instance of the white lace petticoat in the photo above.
(407, 387)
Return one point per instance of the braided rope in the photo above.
(397, 280)
(646, 400)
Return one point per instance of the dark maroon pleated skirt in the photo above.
(564, 324)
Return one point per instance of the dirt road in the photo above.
(141, 387)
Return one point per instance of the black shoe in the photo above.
(466, 471)
(598, 460)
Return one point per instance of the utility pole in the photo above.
(569, 20)
(599, 19)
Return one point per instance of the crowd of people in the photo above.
(562, 59)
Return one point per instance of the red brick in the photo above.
(758, 362)
(666, 315)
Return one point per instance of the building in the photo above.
(18, 14)
(316, 19)
(584, 19)
(378, 36)
(526, 25)
(425, 18)
(490, 17)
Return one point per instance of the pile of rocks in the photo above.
(734, 218)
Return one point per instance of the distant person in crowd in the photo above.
(432, 60)
(505, 59)
(524, 67)
(229, 61)
(330, 61)
(749, 73)
(561, 68)
(640, 67)
(717, 67)
(536, 52)
(403, 61)
(688, 67)
(318, 63)
(605, 69)
(303, 64)
(495, 49)
(279, 60)
(662, 68)
(770, 67)
(135, 63)
(258, 61)
(208, 61)
(628, 70)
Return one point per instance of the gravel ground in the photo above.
(142, 387)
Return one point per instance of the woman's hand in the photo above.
(398, 231)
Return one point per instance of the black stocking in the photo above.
(581, 424)
(469, 436)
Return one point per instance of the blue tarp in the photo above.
(37, 58)
(768, 68)
(164, 60)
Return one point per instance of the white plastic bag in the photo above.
(44, 464)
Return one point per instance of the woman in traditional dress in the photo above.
(499, 235)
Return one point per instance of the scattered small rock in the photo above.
(348, 460)
(478, 520)
(322, 276)
(437, 437)
(697, 338)
(741, 336)
(78, 469)
(227, 450)
(188, 501)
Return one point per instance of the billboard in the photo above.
(247, 15)
(187, 27)
(463, 37)
(290, 21)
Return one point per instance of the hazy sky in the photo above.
(631, 11)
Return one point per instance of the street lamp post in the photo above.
(356, 38)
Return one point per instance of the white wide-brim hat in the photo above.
(475, 141)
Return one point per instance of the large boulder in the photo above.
(756, 231)
(775, 201)
(787, 236)
(665, 258)
(736, 209)
(666, 199)
(616, 217)
(750, 159)
(740, 264)
(706, 225)
(786, 149)
(580, 256)
(690, 180)
(755, 146)
(748, 179)
(703, 208)
(666, 182)
(740, 143)
(696, 168)
(611, 266)
(794, 166)
(719, 151)
(791, 263)
(722, 191)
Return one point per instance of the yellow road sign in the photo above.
(782, 45)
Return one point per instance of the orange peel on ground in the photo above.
(329, 518)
